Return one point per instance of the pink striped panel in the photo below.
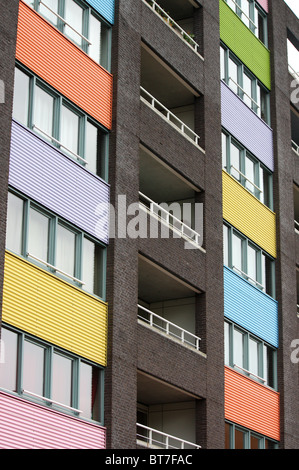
(264, 4)
(25, 425)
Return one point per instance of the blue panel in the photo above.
(250, 308)
(104, 7)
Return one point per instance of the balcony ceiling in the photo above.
(151, 391)
(160, 183)
(161, 82)
(156, 285)
(178, 9)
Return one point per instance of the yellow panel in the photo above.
(248, 215)
(43, 305)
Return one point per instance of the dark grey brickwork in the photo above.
(280, 18)
(132, 347)
(8, 30)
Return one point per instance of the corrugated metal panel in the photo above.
(55, 59)
(248, 215)
(104, 7)
(250, 308)
(46, 175)
(41, 304)
(25, 425)
(244, 44)
(264, 4)
(246, 126)
(251, 404)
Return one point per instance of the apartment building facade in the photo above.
(148, 250)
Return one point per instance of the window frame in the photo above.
(263, 367)
(55, 139)
(87, 11)
(248, 433)
(253, 19)
(227, 55)
(269, 287)
(52, 241)
(259, 168)
(50, 350)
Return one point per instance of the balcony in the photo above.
(179, 16)
(167, 94)
(168, 306)
(170, 200)
(166, 415)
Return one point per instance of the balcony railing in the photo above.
(152, 438)
(176, 225)
(256, 106)
(249, 279)
(172, 119)
(295, 147)
(296, 224)
(168, 327)
(186, 37)
(297, 310)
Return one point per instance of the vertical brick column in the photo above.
(8, 33)
(284, 208)
(211, 410)
(122, 269)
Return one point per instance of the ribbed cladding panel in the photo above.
(251, 404)
(245, 45)
(264, 4)
(55, 59)
(247, 214)
(52, 179)
(238, 119)
(45, 306)
(104, 7)
(25, 425)
(250, 308)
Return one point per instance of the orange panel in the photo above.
(63, 65)
(251, 404)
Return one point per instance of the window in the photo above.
(81, 24)
(247, 169)
(39, 371)
(59, 122)
(45, 239)
(252, 16)
(248, 260)
(237, 437)
(244, 84)
(250, 355)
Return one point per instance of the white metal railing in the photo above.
(244, 92)
(293, 73)
(170, 220)
(249, 278)
(148, 99)
(65, 22)
(157, 321)
(247, 179)
(296, 226)
(150, 437)
(295, 147)
(174, 26)
(298, 310)
(60, 144)
(56, 269)
(243, 13)
(250, 373)
(49, 400)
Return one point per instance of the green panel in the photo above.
(244, 44)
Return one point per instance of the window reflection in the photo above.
(33, 368)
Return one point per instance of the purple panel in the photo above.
(57, 182)
(251, 131)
